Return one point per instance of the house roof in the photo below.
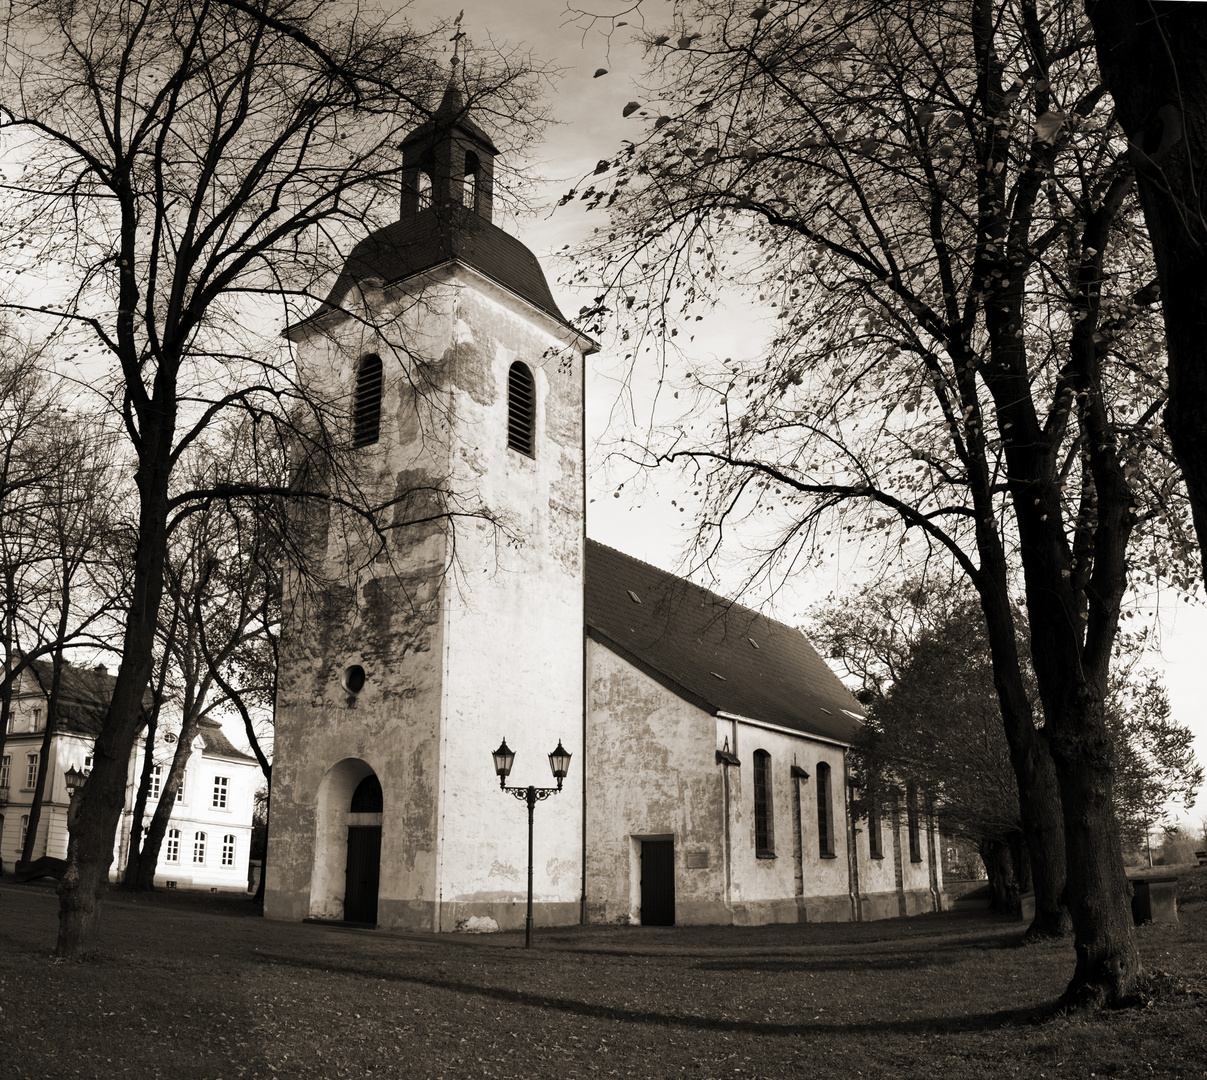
(84, 694)
(433, 237)
(719, 655)
(216, 744)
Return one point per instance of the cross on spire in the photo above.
(456, 38)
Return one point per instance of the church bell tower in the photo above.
(457, 620)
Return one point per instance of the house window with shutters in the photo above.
(228, 849)
(172, 854)
(199, 848)
(825, 812)
(764, 829)
(366, 406)
(521, 408)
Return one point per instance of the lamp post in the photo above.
(75, 782)
(559, 762)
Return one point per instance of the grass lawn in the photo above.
(187, 986)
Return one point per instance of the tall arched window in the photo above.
(911, 820)
(764, 827)
(469, 183)
(423, 189)
(875, 838)
(366, 406)
(825, 812)
(521, 408)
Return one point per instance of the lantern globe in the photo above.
(504, 759)
(75, 780)
(559, 762)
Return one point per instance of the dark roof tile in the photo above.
(717, 654)
(431, 238)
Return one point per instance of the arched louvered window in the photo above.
(825, 812)
(521, 408)
(366, 408)
(764, 828)
(469, 183)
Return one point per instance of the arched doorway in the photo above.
(362, 870)
(347, 848)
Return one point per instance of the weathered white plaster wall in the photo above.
(466, 632)
(651, 772)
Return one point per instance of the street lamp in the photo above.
(75, 784)
(559, 763)
(75, 780)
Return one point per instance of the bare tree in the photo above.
(209, 166)
(1153, 58)
(933, 199)
(77, 534)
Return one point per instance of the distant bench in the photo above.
(1154, 899)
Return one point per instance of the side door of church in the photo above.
(362, 873)
(657, 882)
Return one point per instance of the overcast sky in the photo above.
(641, 522)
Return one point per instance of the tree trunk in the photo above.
(1003, 890)
(90, 849)
(1034, 772)
(148, 858)
(130, 876)
(1153, 59)
(1108, 959)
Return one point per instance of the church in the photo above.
(708, 780)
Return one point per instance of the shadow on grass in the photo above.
(925, 1025)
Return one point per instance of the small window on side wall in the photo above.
(764, 819)
(911, 818)
(825, 812)
(521, 408)
(366, 406)
(423, 190)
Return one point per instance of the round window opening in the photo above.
(354, 679)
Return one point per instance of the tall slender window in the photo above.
(31, 770)
(24, 828)
(423, 188)
(228, 849)
(521, 408)
(199, 847)
(825, 812)
(156, 781)
(173, 851)
(911, 818)
(875, 841)
(469, 184)
(764, 828)
(366, 408)
(5, 766)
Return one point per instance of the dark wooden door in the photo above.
(658, 883)
(361, 874)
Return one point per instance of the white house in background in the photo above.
(209, 838)
(208, 842)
